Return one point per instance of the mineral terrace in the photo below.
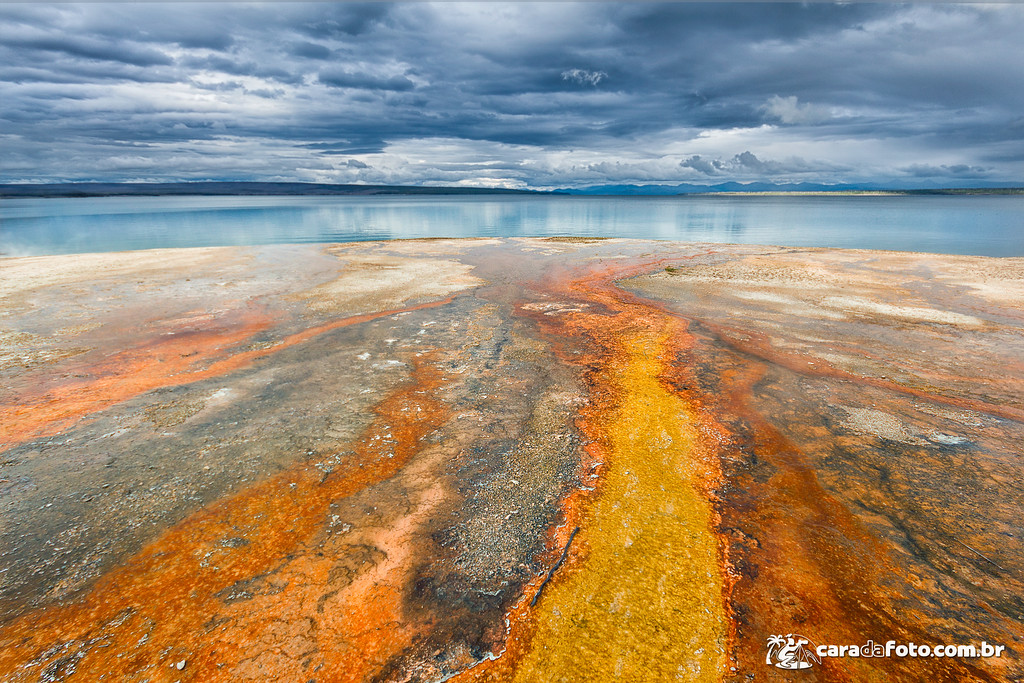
(504, 460)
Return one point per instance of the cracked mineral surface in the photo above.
(553, 459)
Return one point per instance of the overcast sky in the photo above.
(537, 95)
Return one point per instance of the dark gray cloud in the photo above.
(217, 63)
(946, 170)
(310, 50)
(747, 163)
(341, 20)
(702, 165)
(532, 94)
(343, 78)
(89, 48)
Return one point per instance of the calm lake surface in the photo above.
(983, 225)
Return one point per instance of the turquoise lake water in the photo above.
(983, 225)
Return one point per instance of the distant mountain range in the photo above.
(11, 190)
(734, 187)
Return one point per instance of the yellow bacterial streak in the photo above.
(642, 598)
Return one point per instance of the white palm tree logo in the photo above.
(791, 652)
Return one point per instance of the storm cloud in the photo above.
(538, 95)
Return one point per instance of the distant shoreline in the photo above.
(256, 189)
(239, 189)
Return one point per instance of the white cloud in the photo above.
(789, 110)
(584, 77)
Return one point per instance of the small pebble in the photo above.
(180, 665)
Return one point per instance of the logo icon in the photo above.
(791, 652)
